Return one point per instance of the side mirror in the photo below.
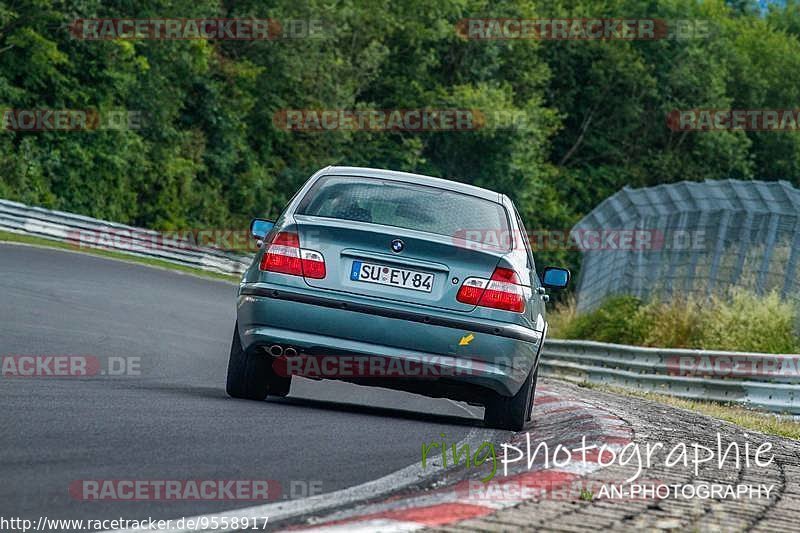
(555, 277)
(260, 227)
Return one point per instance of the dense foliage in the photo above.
(208, 154)
(739, 321)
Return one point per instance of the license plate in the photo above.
(394, 277)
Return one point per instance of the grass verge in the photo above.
(6, 236)
(769, 423)
(737, 320)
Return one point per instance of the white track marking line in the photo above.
(370, 526)
(279, 511)
(465, 408)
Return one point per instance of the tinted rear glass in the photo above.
(402, 205)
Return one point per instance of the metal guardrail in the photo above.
(68, 227)
(765, 381)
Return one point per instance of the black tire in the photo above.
(278, 386)
(511, 412)
(250, 375)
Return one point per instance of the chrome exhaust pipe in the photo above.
(276, 350)
(290, 352)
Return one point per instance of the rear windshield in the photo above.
(403, 205)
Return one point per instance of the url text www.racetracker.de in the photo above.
(206, 523)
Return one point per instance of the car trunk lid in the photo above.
(360, 259)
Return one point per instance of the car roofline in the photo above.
(408, 177)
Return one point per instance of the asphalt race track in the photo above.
(173, 420)
(168, 418)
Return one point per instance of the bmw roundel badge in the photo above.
(398, 246)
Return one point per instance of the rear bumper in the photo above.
(497, 358)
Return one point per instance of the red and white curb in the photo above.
(558, 420)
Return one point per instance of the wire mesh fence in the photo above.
(702, 238)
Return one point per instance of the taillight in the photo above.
(284, 255)
(502, 291)
(471, 290)
(313, 264)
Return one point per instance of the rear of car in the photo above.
(399, 267)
